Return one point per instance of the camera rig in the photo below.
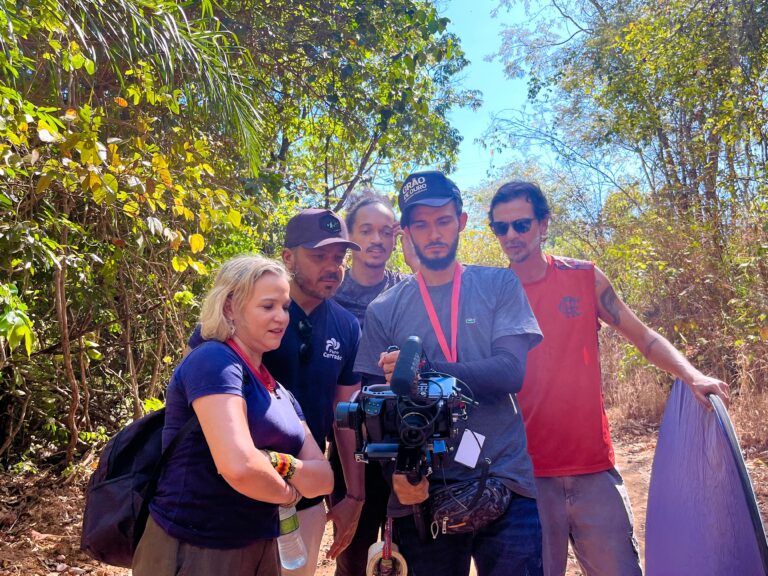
(412, 422)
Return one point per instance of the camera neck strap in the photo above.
(451, 354)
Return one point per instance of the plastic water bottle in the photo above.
(293, 553)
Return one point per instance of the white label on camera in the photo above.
(469, 448)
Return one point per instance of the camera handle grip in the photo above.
(414, 477)
(418, 520)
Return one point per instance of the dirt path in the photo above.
(634, 457)
(40, 517)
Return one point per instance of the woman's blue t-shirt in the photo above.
(193, 502)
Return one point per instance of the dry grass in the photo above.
(636, 394)
(749, 412)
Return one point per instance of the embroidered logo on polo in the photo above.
(330, 224)
(569, 307)
(332, 347)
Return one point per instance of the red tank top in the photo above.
(562, 396)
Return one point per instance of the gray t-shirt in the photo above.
(355, 297)
(492, 305)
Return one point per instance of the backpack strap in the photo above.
(149, 493)
(191, 424)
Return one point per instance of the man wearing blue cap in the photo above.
(475, 324)
(323, 337)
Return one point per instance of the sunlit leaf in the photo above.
(94, 354)
(32, 157)
(77, 61)
(175, 240)
(196, 243)
(179, 264)
(99, 194)
(205, 222)
(46, 135)
(110, 182)
(131, 208)
(43, 182)
(197, 266)
(155, 226)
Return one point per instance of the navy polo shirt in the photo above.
(334, 341)
(193, 502)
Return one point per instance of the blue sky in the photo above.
(480, 37)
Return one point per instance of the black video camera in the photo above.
(410, 422)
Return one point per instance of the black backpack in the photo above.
(119, 491)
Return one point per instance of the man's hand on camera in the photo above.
(345, 516)
(387, 362)
(409, 493)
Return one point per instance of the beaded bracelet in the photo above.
(284, 464)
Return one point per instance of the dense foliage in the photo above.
(143, 141)
(654, 114)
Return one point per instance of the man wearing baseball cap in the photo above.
(475, 324)
(315, 360)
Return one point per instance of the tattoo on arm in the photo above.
(647, 351)
(610, 302)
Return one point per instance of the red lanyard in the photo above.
(263, 374)
(450, 354)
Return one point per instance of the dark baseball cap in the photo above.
(427, 188)
(316, 227)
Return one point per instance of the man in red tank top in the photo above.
(581, 496)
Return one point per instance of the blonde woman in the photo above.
(216, 507)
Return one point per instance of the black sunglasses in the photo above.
(521, 226)
(305, 333)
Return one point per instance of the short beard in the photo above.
(375, 266)
(306, 287)
(438, 263)
(519, 258)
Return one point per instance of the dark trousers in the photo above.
(353, 560)
(509, 546)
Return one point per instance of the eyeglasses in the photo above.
(305, 333)
(521, 226)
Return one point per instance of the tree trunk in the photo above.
(61, 312)
(138, 409)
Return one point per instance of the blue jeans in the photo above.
(509, 546)
(593, 512)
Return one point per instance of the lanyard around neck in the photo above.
(451, 353)
(262, 374)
